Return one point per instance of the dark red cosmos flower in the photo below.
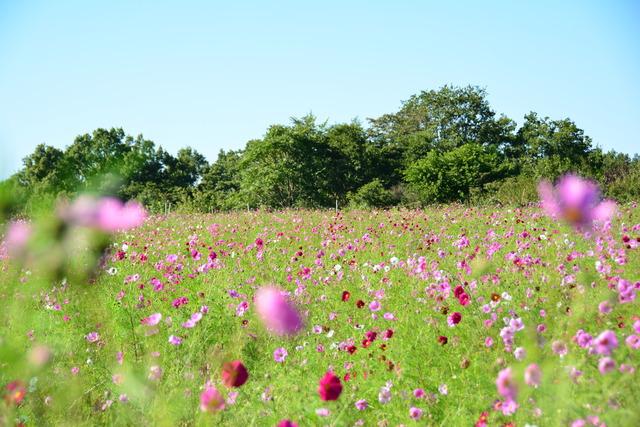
(366, 343)
(360, 303)
(352, 349)
(287, 423)
(457, 291)
(371, 335)
(234, 374)
(443, 340)
(455, 318)
(330, 387)
(16, 392)
(346, 295)
(388, 333)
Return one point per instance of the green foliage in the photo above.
(519, 190)
(441, 145)
(371, 195)
(452, 175)
(627, 186)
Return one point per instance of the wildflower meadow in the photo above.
(451, 315)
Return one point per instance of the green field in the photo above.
(512, 264)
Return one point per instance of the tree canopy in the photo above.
(440, 146)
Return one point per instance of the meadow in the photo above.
(447, 316)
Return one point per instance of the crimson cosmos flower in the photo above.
(330, 387)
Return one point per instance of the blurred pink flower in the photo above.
(211, 400)
(278, 314)
(415, 413)
(505, 384)
(606, 365)
(605, 343)
(152, 320)
(108, 213)
(532, 375)
(18, 233)
(576, 200)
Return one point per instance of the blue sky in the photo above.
(213, 75)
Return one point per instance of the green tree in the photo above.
(453, 175)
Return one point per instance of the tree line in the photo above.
(444, 145)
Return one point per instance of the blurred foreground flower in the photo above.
(107, 214)
(576, 200)
(211, 400)
(234, 374)
(18, 233)
(16, 392)
(277, 313)
(330, 387)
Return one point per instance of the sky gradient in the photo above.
(213, 75)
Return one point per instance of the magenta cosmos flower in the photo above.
(330, 387)
(576, 200)
(211, 400)
(454, 319)
(278, 314)
(287, 423)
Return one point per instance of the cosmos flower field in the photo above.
(452, 316)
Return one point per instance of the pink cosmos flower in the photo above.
(277, 313)
(605, 307)
(18, 233)
(108, 213)
(323, 412)
(605, 343)
(506, 386)
(361, 405)
(287, 423)
(576, 200)
(532, 375)
(520, 353)
(92, 336)
(374, 305)
(152, 320)
(211, 400)
(280, 354)
(559, 348)
(633, 341)
(606, 365)
(174, 340)
(113, 215)
(415, 413)
(155, 373)
(419, 393)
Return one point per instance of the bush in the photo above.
(518, 190)
(371, 195)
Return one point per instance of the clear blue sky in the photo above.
(213, 75)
